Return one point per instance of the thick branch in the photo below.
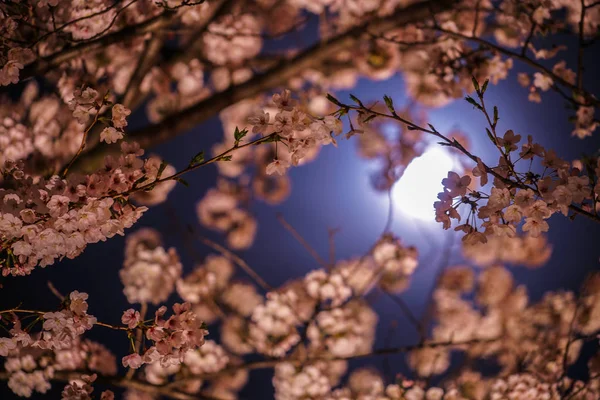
(145, 63)
(274, 77)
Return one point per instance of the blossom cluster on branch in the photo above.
(312, 326)
(522, 196)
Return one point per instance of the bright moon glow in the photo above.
(415, 193)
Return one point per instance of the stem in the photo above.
(390, 215)
(138, 338)
(241, 263)
(37, 312)
(83, 141)
(55, 291)
(302, 241)
(581, 46)
(193, 167)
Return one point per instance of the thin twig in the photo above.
(444, 261)
(192, 167)
(237, 260)
(387, 368)
(581, 46)
(138, 338)
(408, 314)
(55, 291)
(302, 241)
(37, 312)
(331, 239)
(390, 215)
(83, 142)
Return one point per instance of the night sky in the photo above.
(333, 192)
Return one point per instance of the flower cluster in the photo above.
(59, 329)
(66, 22)
(518, 250)
(211, 291)
(585, 122)
(15, 61)
(235, 335)
(81, 389)
(46, 219)
(359, 273)
(84, 103)
(84, 354)
(365, 384)
(429, 361)
(397, 392)
(343, 331)
(206, 280)
(395, 262)
(310, 381)
(523, 386)
(219, 210)
(301, 133)
(209, 358)
(32, 358)
(273, 330)
(328, 287)
(241, 297)
(149, 271)
(232, 39)
(544, 328)
(25, 377)
(30, 369)
(515, 196)
(171, 338)
(38, 129)
(189, 88)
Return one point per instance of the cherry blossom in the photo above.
(111, 135)
(73, 175)
(149, 271)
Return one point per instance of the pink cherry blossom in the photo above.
(131, 318)
(111, 135)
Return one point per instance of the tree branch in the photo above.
(184, 120)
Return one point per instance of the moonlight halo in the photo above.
(417, 190)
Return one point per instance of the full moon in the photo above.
(417, 189)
